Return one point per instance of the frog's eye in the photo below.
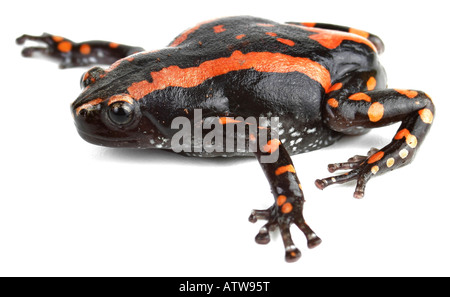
(121, 112)
(91, 76)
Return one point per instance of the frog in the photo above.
(320, 81)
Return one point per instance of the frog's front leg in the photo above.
(350, 113)
(288, 206)
(73, 54)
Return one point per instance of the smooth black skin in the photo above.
(300, 102)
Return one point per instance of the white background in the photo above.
(69, 208)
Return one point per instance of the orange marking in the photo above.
(334, 87)
(300, 186)
(410, 139)
(174, 76)
(281, 199)
(85, 49)
(113, 45)
(408, 93)
(121, 97)
(272, 145)
(286, 41)
(252, 137)
(286, 208)
(225, 120)
(331, 39)
(186, 33)
(88, 105)
(86, 76)
(371, 83)
(333, 102)
(360, 96)
(57, 38)
(402, 133)
(426, 115)
(65, 46)
(359, 32)
(376, 112)
(265, 25)
(240, 36)
(283, 169)
(376, 157)
(311, 25)
(271, 34)
(219, 29)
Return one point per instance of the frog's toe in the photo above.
(29, 51)
(360, 171)
(283, 221)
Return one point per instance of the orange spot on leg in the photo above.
(272, 146)
(402, 133)
(360, 97)
(371, 83)
(65, 46)
(286, 208)
(376, 112)
(283, 169)
(408, 93)
(333, 102)
(57, 38)
(376, 157)
(426, 115)
(281, 199)
(240, 36)
(85, 49)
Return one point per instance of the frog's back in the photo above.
(260, 68)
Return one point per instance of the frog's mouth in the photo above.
(108, 142)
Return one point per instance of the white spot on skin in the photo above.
(296, 134)
(403, 153)
(310, 131)
(390, 162)
(291, 130)
(290, 248)
(375, 169)
(298, 140)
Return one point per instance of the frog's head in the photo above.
(105, 114)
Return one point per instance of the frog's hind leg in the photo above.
(369, 109)
(289, 200)
(371, 37)
(73, 54)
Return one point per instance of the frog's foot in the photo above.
(361, 170)
(282, 218)
(55, 47)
